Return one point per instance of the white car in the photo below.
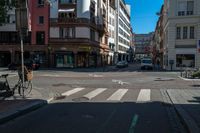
(146, 64)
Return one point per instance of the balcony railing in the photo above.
(72, 41)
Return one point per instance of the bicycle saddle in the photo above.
(4, 75)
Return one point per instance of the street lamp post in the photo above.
(22, 28)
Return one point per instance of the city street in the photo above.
(117, 100)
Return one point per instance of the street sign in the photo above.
(199, 46)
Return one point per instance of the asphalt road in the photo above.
(95, 116)
(116, 101)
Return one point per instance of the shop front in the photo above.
(64, 59)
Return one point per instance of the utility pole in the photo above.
(22, 28)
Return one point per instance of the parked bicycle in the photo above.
(23, 89)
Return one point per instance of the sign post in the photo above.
(22, 28)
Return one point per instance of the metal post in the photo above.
(22, 61)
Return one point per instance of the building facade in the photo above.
(142, 45)
(78, 33)
(157, 41)
(35, 43)
(123, 30)
(112, 31)
(181, 34)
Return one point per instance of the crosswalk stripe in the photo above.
(117, 95)
(144, 95)
(73, 91)
(94, 93)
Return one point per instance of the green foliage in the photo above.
(196, 74)
(5, 5)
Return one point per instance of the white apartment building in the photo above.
(123, 27)
(181, 34)
(112, 31)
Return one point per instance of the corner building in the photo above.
(181, 25)
(78, 35)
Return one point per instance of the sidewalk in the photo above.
(187, 105)
(13, 107)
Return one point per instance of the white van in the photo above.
(146, 64)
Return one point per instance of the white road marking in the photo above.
(70, 92)
(119, 82)
(51, 75)
(144, 95)
(94, 93)
(95, 75)
(117, 96)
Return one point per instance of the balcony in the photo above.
(70, 41)
(72, 21)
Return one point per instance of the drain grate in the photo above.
(164, 79)
(81, 99)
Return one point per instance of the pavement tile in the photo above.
(15, 106)
(187, 105)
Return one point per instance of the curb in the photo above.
(5, 117)
(188, 79)
(186, 119)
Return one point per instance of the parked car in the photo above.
(146, 64)
(30, 64)
(122, 64)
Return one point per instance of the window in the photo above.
(41, 19)
(190, 7)
(184, 32)
(92, 35)
(185, 8)
(185, 60)
(40, 3)
(40, 37)
(67, 32)
(192, 32)
(178, 33)
(182, 7)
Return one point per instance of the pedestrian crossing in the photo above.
(117, 96)
(110, 95)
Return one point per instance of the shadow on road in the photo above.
(100, 117)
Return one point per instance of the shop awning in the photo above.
(66, 10)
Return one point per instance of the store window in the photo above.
(65, 60)
(185, 60)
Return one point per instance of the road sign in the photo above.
(199, 46)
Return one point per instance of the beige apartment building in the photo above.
(181, 38)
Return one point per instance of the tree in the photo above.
(5, 5)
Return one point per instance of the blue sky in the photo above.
(143, 14)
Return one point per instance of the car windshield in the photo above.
(147, 61)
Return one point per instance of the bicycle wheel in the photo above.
(26, 89)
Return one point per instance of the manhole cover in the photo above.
(164, 79)
(81, 99)
(58, 85)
